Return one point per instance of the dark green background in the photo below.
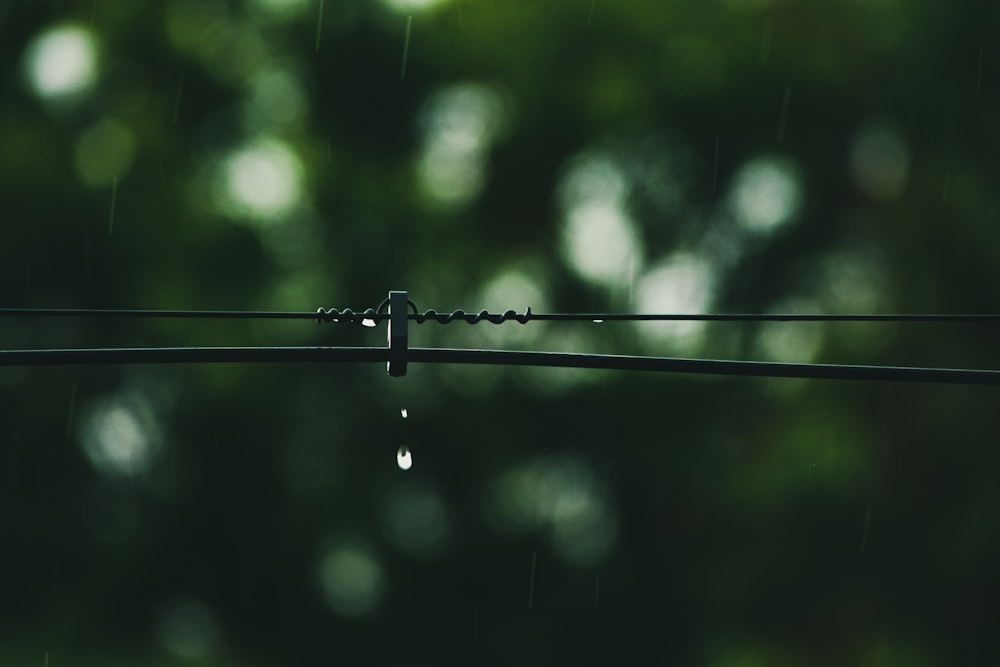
(745, 522)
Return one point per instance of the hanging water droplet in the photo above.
(368, 322)
(403, 458)
(403, 412)
(598, 321)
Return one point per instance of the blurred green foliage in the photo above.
(571, 155)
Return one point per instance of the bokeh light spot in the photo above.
(459, 124)
(262, 181)
(683, 283)
(766, 194)
(798, 342)
(563, 497)
(880, 162)
(352, 580)
(599, 243)
(277, 101)
(416, 521)
(121, 435)
(512, 289)
(599, 238)
(412, 5)
(280, 9)
(187, 628)
(62, 62)
(592, 178)
(104, 152)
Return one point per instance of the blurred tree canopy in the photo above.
(568, 155)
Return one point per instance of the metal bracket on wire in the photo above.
(396, 308)
(396, 339)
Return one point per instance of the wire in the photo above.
(768, 317)
(707, 366)
(496, 358)
(376, 315)
(182, 314)
(397, 355)
(190, 355)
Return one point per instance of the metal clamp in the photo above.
(398, 304)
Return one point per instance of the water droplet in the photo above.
(403, 458)
(368, 322)
(598, 321)
(403, 412)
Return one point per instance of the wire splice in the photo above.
(383, 312)
(472, 318)
(348, 315)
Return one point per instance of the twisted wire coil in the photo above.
(380, 314)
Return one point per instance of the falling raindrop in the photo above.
(765, 43)
(177, 100)
(319, 25)
(403, 413)
(531, 581)
(715, 168)
(403, 458)
(114, 197)
(215, 434)
(406, 46)
(783, 118)
(979, 75)
(72, 409)
(597, 590)
(864, 532)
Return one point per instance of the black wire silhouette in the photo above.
(379, 315)
(398, 354)
(190, 355)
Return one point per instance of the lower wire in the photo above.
(183, 355)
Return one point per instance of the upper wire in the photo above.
(181, 314)
(376, 315)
